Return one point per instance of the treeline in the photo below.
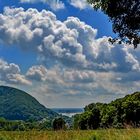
(121, 113)
(45, 124)
(8, 125)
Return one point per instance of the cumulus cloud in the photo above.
(74, 62)
(38, 73)
(77, 76)
(10, 73)
(82, 82)
(80, 87)
(54, 4)
(81, 4)
(71, 43)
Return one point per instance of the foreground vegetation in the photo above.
(109, 134)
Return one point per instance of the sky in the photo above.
(58, 52)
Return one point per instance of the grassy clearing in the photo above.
(110, 134)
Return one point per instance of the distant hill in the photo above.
(19, 105)
(68, 110)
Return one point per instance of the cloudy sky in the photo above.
(58, 51)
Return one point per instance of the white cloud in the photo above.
(54, 4)
(81, 4)
(83, 76)
(18, 79)
(37, 73)
(71, 43)
(10, 73)
(70, 87)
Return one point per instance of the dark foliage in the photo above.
(117, 114)
(59, 124)
(125, 16)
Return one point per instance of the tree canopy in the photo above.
(125, 17)
(120, 113)
(59, 124)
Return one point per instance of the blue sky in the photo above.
(58, 51)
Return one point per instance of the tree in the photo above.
(125, 17)
(76, 121)
(108, 116)
(94, 119)
(45, 125)
(58, 124)
(84, 120)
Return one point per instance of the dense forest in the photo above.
(8, 125)
(121, 113)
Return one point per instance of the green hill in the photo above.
(18, 105)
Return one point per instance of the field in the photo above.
(110, 134)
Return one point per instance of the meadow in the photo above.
(109, 134)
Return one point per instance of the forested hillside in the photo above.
(120, 113)
(18, 105)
